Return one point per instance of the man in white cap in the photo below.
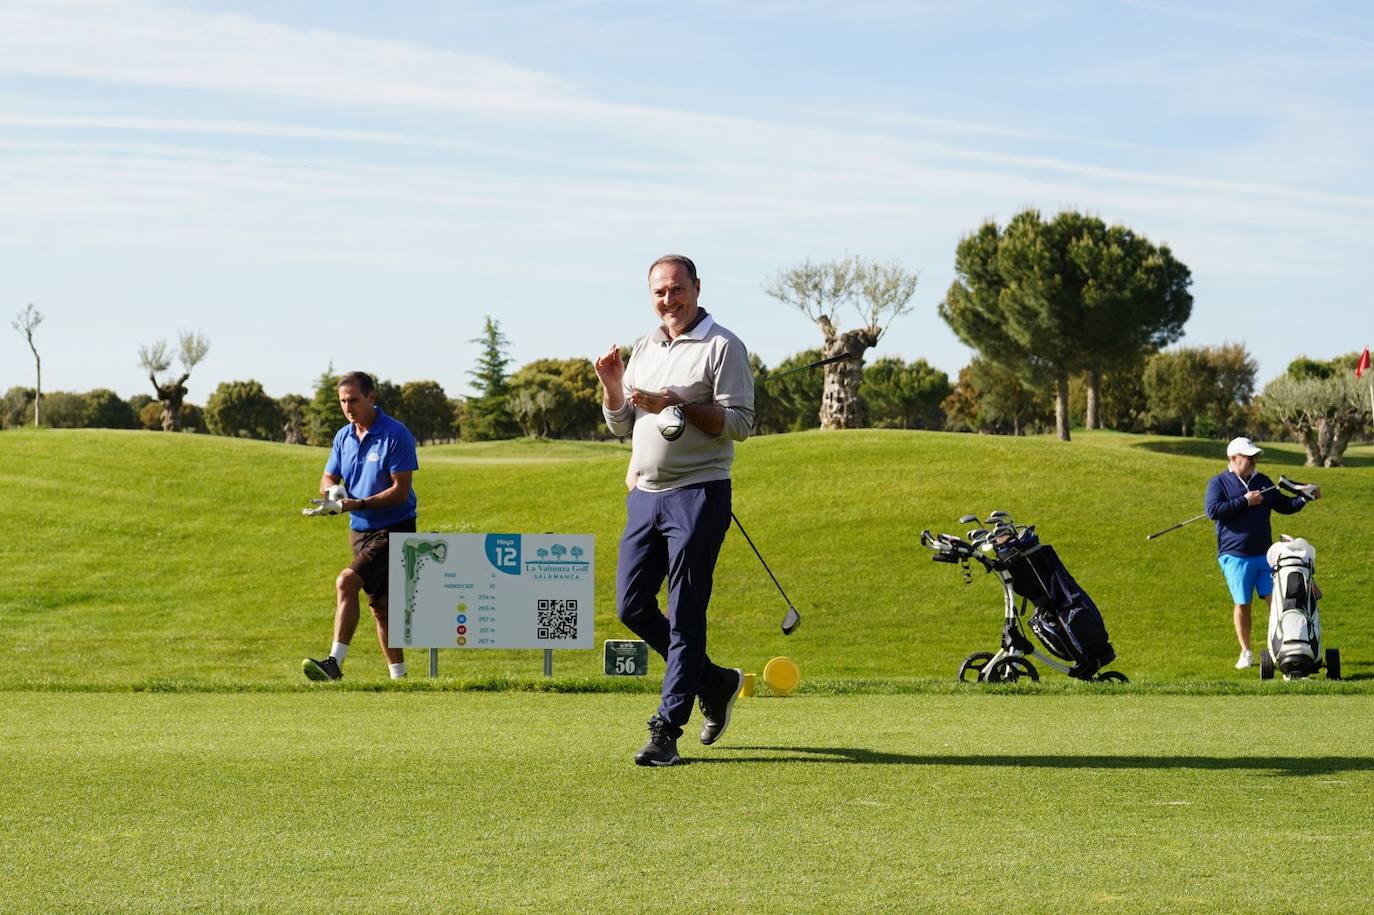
(1239, 500)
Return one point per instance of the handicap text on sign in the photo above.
(491, 591)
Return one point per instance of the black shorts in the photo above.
(370, 555)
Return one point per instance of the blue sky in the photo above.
(361, 183)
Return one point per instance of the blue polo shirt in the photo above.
(366, 468)
(1243, 529)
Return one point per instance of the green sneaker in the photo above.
(328, 669)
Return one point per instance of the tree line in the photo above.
(1071, 321)
(1200, 391)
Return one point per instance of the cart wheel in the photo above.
(1010, 669)
(974, 664)
(1111, 676)
(1266, 665)
(1333, 664)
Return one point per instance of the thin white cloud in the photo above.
(1252, 23)
(483, 171)
(140, 43)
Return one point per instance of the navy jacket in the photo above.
(1243, 530)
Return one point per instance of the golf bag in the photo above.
(1294, 644)
(1066, 620)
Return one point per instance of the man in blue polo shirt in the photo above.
(1239, 500)
(374, 458)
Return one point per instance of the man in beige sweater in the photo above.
(678, 508)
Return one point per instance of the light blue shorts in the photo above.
(1245, 575)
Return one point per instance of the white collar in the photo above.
(699, 332)
(660, 335)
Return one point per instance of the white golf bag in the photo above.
(1295, 628)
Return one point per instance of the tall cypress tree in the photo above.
(488, 414)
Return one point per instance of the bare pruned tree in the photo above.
(877, 292)
(157, 359)
(25, 322)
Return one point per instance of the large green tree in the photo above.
(244, 410)
(65, 410)
(903, 395)
(1051, 299)
(15, 407)
(556, 398)
(877, 292)
(107, 410)
(539, 400)
(1202, 389)
(425, 410)
(1179, 384)
(990, 398)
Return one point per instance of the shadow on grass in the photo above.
(1189, 447)
(1277, 765)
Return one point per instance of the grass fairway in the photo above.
(978, 801)
(143, 559)
(162, 752)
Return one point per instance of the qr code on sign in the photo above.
(557, 619)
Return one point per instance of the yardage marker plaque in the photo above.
(491, 591)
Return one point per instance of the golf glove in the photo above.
(331, 504)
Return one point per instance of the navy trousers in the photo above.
(674, 534)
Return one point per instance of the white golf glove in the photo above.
(331, 504)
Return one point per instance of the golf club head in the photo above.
(791, 621)
(969, 519)
(1307, 490)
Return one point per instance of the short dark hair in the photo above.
(677, 259)
(360, 380)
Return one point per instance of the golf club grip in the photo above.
(1175, 527)
(801, 368)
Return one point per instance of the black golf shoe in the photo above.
(661, 750)
(328, 669)
(716, 705)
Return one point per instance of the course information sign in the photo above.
(491, 591)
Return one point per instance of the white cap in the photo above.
(1242, 445)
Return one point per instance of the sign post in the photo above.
(492, 591)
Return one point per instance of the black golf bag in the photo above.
(1066, 620)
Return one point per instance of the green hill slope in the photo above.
(137, 557)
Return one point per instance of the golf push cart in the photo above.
(1294, 644)
(1066, 621)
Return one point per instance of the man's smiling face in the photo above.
(675, 296)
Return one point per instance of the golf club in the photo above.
(1306, 490)
(792, 619)
(801, 368)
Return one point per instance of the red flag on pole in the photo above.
(1363, 365)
